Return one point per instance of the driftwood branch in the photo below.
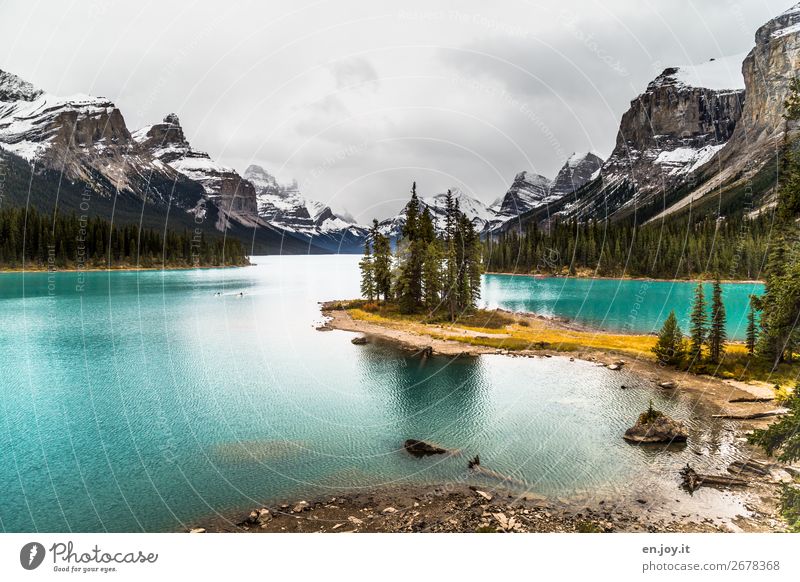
(753, 415)
(474, 464)
(692, 480)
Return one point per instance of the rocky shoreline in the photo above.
(459, 508)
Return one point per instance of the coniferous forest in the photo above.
(436, 274)
(33, 240)
(735, 248)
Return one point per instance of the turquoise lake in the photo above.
(147, 401)
(623, 305)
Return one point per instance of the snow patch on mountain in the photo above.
(283, 205)
(719, 74)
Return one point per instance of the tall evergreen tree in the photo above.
(450, 276)
(670, 347)
(411, 256)
(698, 327)
(367, 267)
(752, 330)
(717, 335)
(382, 262)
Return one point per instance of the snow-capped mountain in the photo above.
(284, 206)
(578, 170)
(85, 139)
(81, 156)
(482, 217)
(529, 190)
(235, 196)
(674, 129)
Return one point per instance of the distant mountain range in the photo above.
(701, 137)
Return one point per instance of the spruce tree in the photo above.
(450, 275)
(432, 275)
(367, 273)
(698, 325)
(717, 335)
(382, 262)
(670, 346)
(411, 255)
(752, 330)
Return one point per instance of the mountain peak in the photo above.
(716, 74)
(13, 88)
(787, 22)
(172, 119)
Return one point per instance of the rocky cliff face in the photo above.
(578, 170)
(284, 206)
(527, 191)
(745, 163)
(86, 139)
(233, 194)
(668, 133)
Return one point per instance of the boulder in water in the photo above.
(422, 449)
(653, 426)
(358, 341)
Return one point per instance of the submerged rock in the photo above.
(653, 426)
(668, 384)
(422, 449)
(359, 341)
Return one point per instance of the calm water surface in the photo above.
(145, 401)
(615, 304)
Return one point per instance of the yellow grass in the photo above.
(537, 334)
(515, 333)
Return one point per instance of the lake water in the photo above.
(630, 306)
(137, 401)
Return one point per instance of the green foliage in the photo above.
(670, 347)
(367, 267)
(381, 262)
(698, 326)
(752, 330)
(688, 249)
(790, 506)
(650, 415)
(783, 435)
(37, 241)
(437, 275)
(716, 331)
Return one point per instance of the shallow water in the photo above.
(144, 401)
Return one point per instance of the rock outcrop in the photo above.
(234, 195)
(419, 448)
(85, 138)
(653, 426)
(669, 132)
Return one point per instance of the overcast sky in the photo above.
(357, 98)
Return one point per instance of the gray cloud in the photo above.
(356, 99)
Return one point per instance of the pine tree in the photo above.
(432, 275)
(450, 257)
(698, 325)
(382, 262)
(411, 255)
(367, 273)
(717, 335)
(670, 346)
(752, 330)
